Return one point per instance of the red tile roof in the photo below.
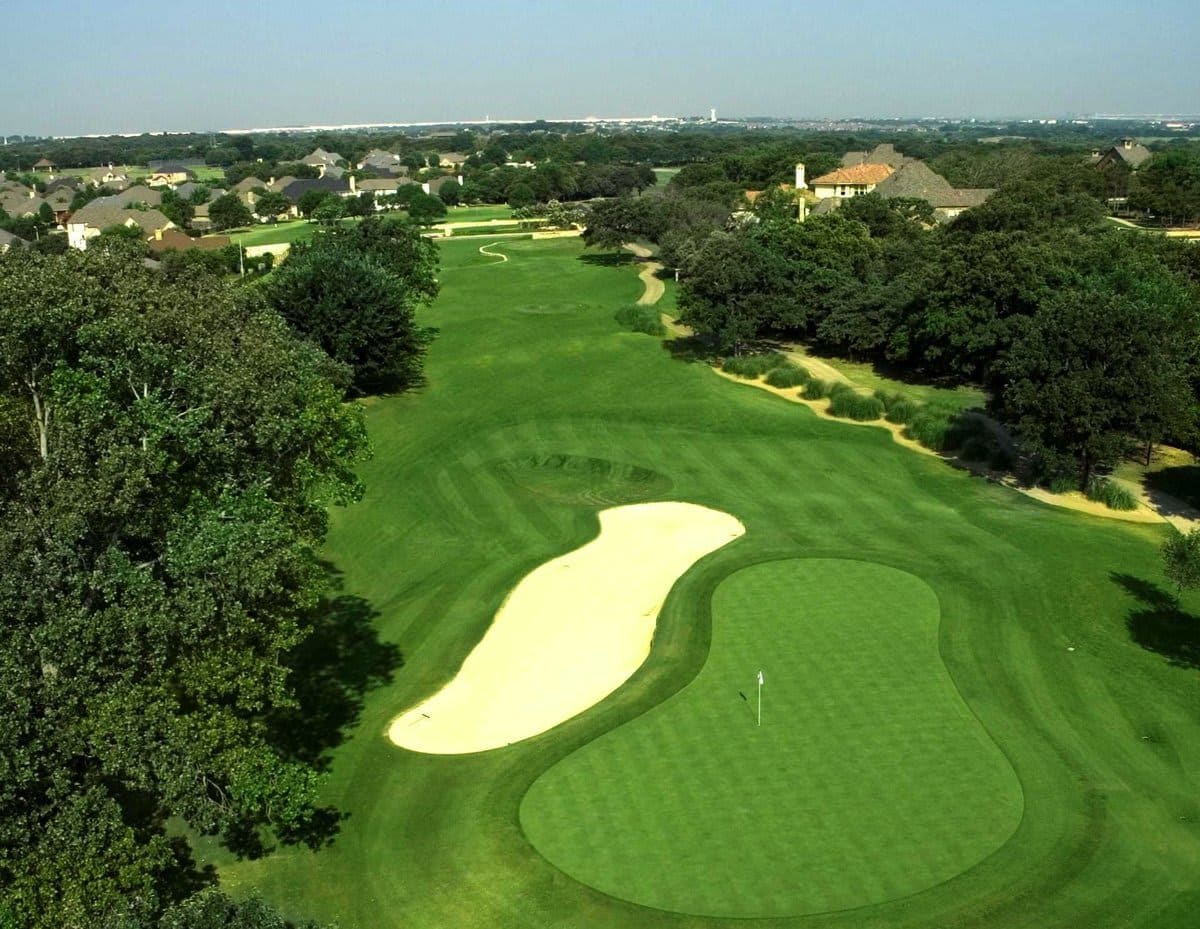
(858, 174)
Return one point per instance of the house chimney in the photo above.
(460, 180)
(800, 185)
(1128, 143)
(321, 169)
(270, 183)
(158, 235)
(353, 184)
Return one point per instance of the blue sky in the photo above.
(132, 65)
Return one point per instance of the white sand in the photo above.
(570, 633)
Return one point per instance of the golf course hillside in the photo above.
(978, 711)
(836, 799)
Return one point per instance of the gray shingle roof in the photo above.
(915, 179)
(101, 215)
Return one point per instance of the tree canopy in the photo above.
(170, 450)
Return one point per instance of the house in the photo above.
(383, 185)
(452, 159)
(19, 202)
(380, 160)
(319, 158)
(116, 178)
(63, 182)
(44, 164)
(894, 178)
(916, 180)
(166, 240)
(133, 197)
(883, 154)
(1128, 153)
(8, 240)
(200, 217)
(435, 185)
(60, 202)
(170, 175)
(300, 186)
(851, 182)
(90, 220)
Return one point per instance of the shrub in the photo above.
(816, 389)
(846, 402)
(935, 429)
(1062, 483)
(1112, 495)
(901, 411)
(976, 448)
(638, 318)
(753, 365)
(1001, 459)
(788, 375)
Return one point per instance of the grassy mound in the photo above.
(590, 481)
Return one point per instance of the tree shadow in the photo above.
(690, 348)
(1159, 624)
(607, 259)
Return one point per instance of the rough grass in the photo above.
(639, 318)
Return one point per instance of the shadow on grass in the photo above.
(608, 259)
(690, 348)
(1159, 624)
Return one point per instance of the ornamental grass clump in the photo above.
(816, 389)
(753, 365)
(848, 403)
(788, 375)
(1111, 494)
(637, 317)
(936, 429)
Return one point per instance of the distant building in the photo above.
(1129, 153)
(44, 164)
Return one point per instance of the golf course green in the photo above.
(838, 799)
(977, 712)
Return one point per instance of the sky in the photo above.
(145, 65)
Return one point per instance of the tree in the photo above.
(270, 205)
(358, 307)
(1104, 361)
(425, 208)
(1169, 187)
(176, 209)
(170, 452)
(227, 212)
(450, 193)
(521, 195)
(328, 211)
(1181, 559)
(310, 200)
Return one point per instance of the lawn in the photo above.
(276, 233)
(864, 374)
(980, 712)
(477, 214)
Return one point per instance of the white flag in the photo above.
(760, 679)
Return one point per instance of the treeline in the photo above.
(170, 445)
(1086, 335)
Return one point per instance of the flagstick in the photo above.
(760, 683)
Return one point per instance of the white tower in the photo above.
(712, 115)
(800, 185)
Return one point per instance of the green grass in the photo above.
(476, 214)
(529, 365)
(1113, 495)
(863, 738)
(207, 174)
(639, 318)
(866, 375)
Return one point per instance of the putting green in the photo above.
(868, 780)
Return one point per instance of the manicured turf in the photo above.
(838, 800)
(530, 364)
(476, 214)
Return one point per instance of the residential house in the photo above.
(200, 218)
(882, 154)
(452, 159)
(1129, 153)
(18, 201)
(435, 185)
(319, 158)
(63, 182)
(166, 240)
(850, 182)
(116, 178)
(90, 220)
(383, 185)
(133, 197)
(60, 202)
(300, 186)
(379, 160)
(170, 175)
(8, 240)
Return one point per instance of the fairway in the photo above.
(868, 780)
(975, 715)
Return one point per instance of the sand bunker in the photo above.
(570, 633)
